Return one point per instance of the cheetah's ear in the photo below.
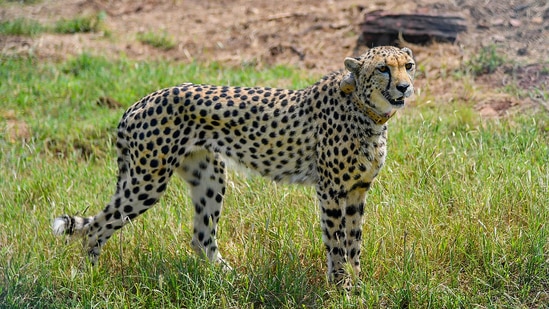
(353, 64)
(348, 84)
(408, 51)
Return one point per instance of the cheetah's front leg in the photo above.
(333, 223)
(341, 222)
(354, 212)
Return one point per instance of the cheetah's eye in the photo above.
(383, 69)
(409, 66)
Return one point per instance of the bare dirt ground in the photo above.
(311, 35)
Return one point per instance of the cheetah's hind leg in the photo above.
(136, 192)
(205, 173)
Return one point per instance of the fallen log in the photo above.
(384, 28)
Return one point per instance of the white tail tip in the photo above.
(59, 226)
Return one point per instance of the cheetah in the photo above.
(331, 135)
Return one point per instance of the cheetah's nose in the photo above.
(403, 87)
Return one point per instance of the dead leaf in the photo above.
(514, 22)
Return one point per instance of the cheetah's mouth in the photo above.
(396, 102)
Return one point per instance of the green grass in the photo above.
(21, 26)
(486, 61)
(31, 27)
(90, 23)
(457, 219)
(161, 41)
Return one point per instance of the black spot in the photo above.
(149, 202)
(351, 210)
(358, 235)
(353, 253)
(161, 188)
(159, 141)
(334, 213)
(361, 209)
(219, 198)
(142, 196)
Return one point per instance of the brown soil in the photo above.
(312, 35)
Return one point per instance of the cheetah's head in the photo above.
(381, 78)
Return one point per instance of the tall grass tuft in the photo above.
(160, 41)
(21, 26)
(90, 23)
(486, 61)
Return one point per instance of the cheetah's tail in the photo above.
(71, 225)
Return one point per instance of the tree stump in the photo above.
(384, 28)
